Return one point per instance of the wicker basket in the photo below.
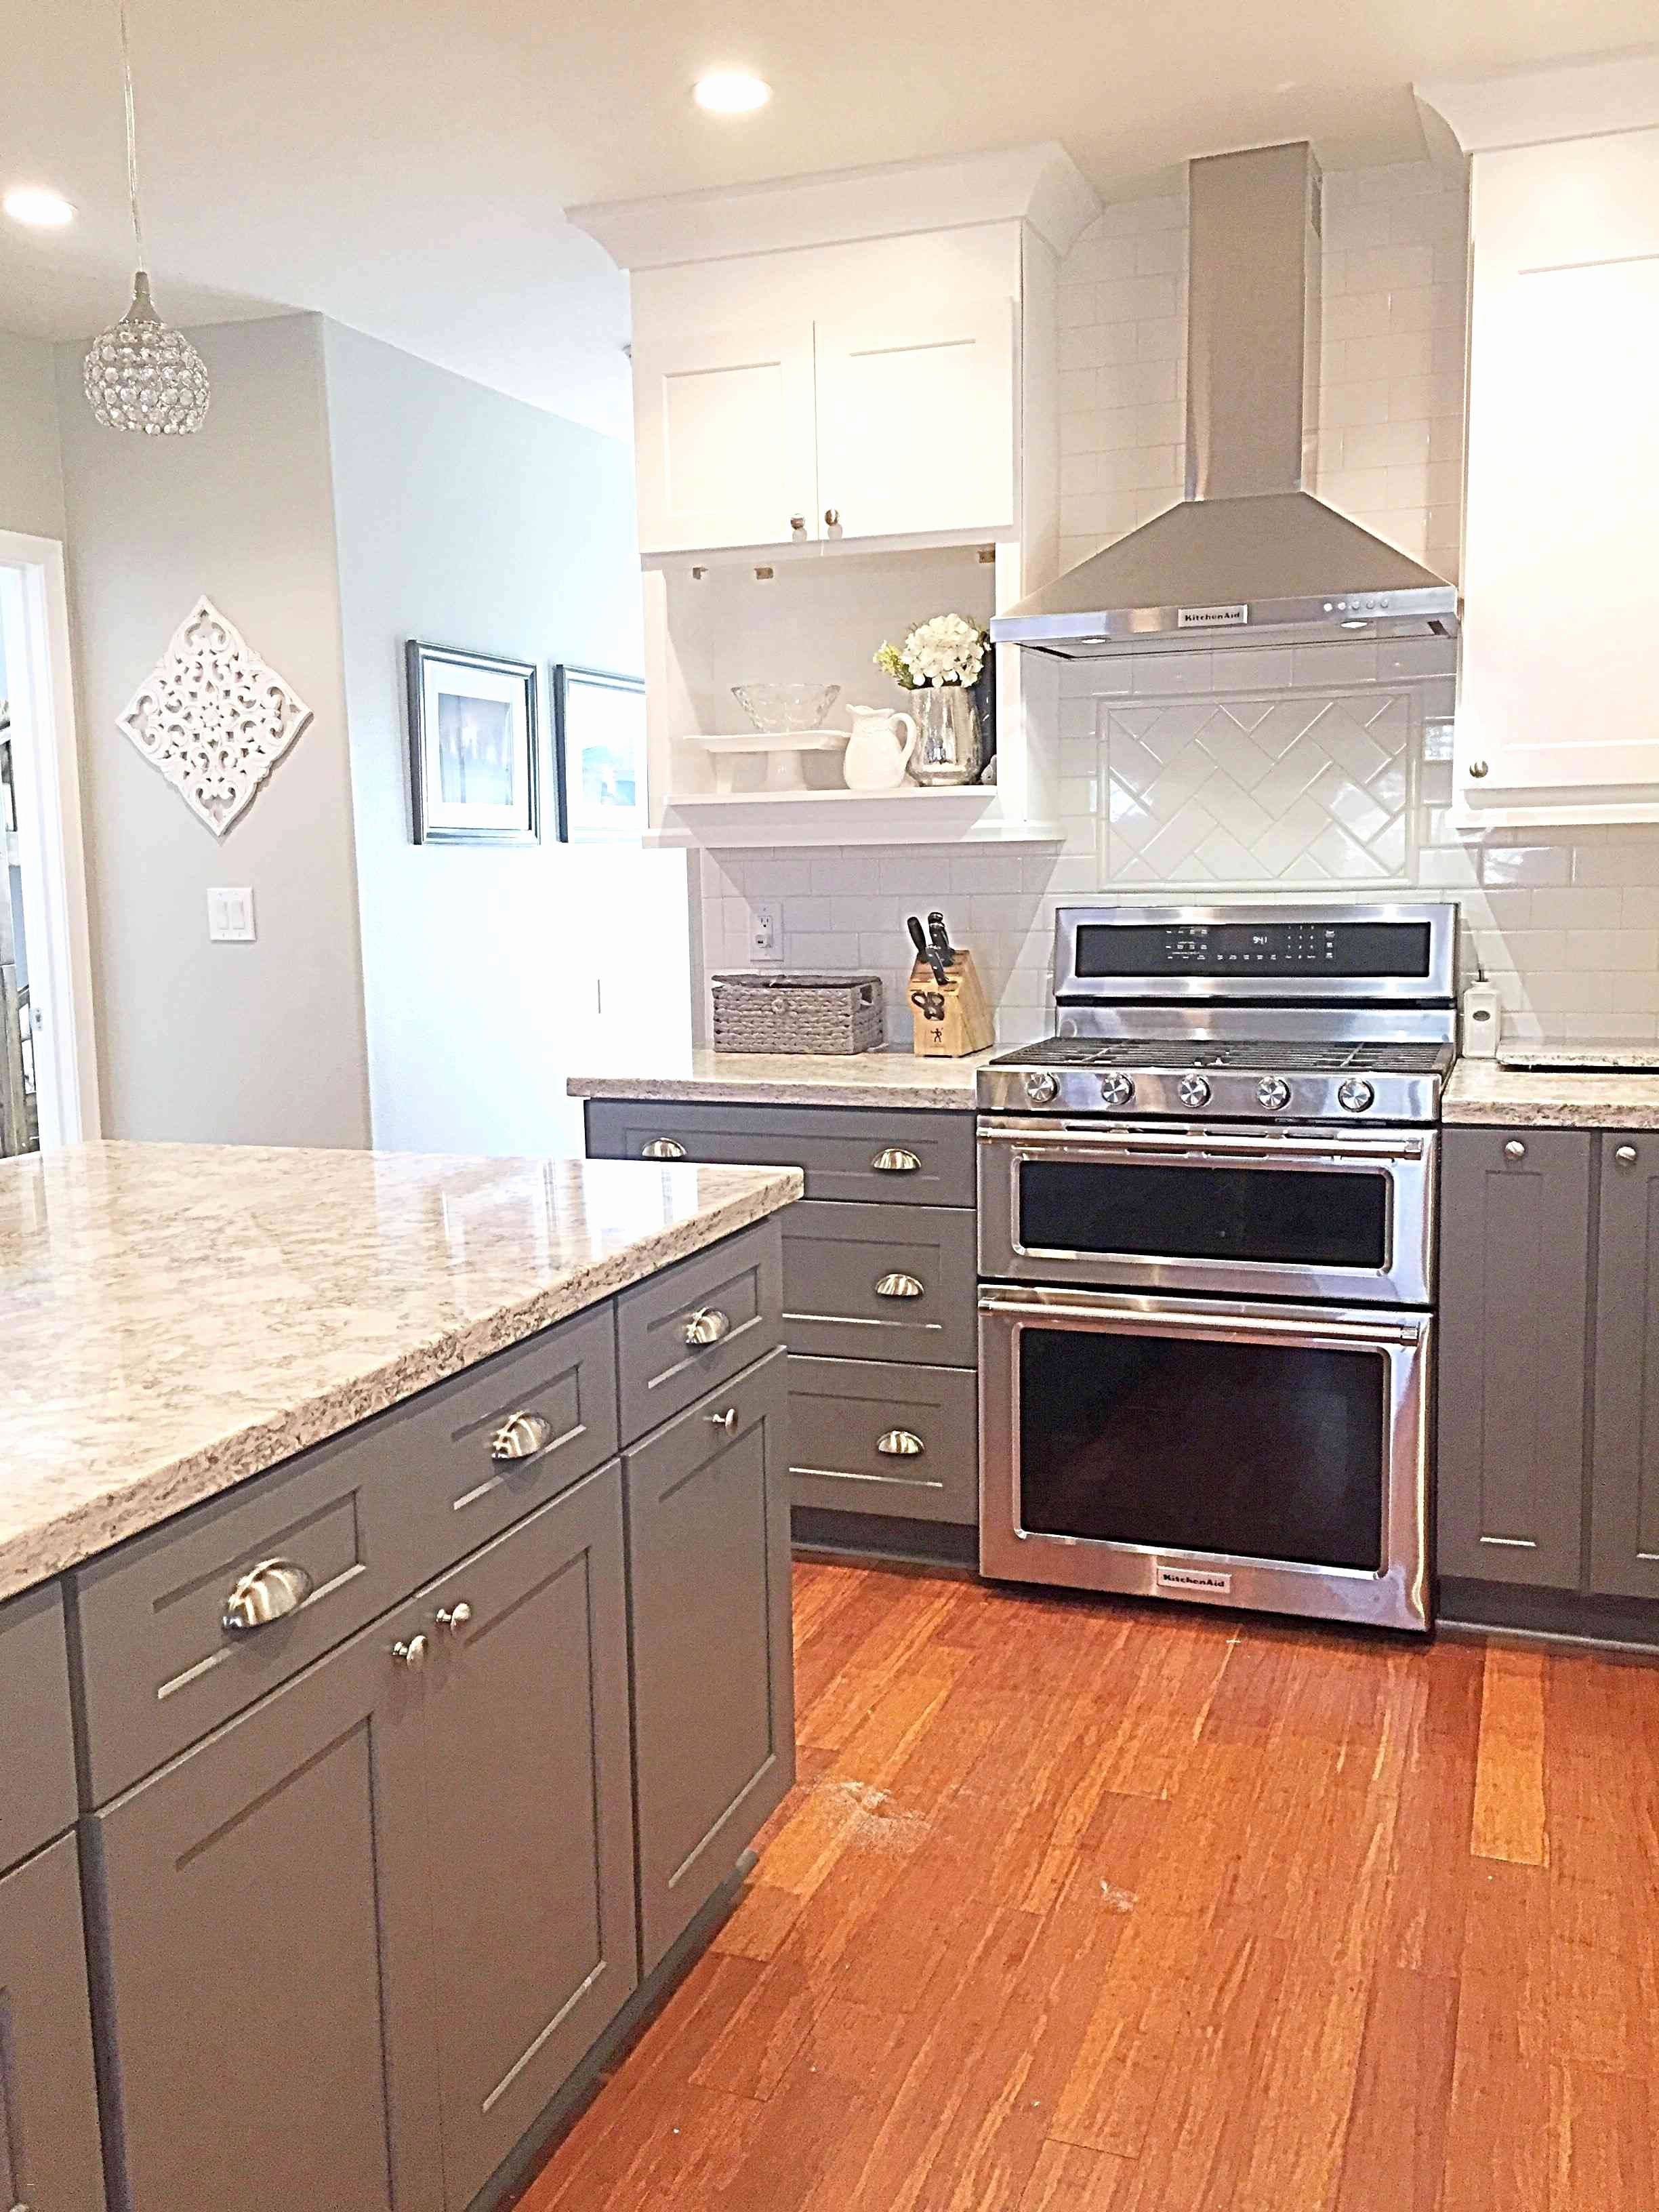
(796, 1013)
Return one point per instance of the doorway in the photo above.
(48, 1064)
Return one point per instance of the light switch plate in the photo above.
(230, 915)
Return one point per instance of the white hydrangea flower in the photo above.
(945, 650)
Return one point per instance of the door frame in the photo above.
(46, 781)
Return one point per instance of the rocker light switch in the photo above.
(230, 915)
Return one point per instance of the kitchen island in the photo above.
(395, 1643)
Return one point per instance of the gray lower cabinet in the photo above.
(37, 1728)
(1625, 1461)
(881, 1282)
(906, 1155)
(50, 2159)
(1514, 1300)
(713, 1675)
(347, 1946)
(866, 1436)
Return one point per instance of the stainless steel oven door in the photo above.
(1311, 1214)
(1220, 1452)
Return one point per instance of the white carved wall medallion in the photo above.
(213, 717)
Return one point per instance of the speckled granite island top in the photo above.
(1485, 1092)
(765, 1078)
(175, 1318)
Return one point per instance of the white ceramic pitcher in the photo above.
(875, 760)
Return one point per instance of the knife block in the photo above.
(950, 1023)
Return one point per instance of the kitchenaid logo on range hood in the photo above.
(1234, 617)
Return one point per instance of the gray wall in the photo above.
(232, 1043)
(31, 476)
(470, 519)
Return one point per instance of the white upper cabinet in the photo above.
(897, 420)
(1558, 715)
(725, 438)
(916, 419)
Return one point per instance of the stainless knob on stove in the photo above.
(1116, 1089)
(1193, 1090)
(1272, 1092)
(1040, 1088)
(1355, 1096)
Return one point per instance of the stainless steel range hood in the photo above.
(1247, 553)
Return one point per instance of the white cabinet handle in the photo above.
(706, 1327)
(901, 1444)
(1625, 1155)
(662, 1148)
(1514, 1150)
(900, 1286)
(895, 1160)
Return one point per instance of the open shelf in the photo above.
(964, 814)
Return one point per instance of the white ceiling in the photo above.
(405, 169)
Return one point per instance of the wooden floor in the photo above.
(1081, 1905)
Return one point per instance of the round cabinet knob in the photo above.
(1355, 1096)
(1477, 769)
(727, 1420)
(268, 1592)
(1116, 1090)
(1193, 1090)
(708, 1325)
(454, 1620)
(1514, 1150)
(1625, 1155)
(1272, 1092)
(1040, 1088)
(410, 1655)
(832, 517)
(798, 526)
(662, 1148)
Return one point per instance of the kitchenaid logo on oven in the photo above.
(1194, 1578)
(1233, 617)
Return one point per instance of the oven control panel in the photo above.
(1303, 950)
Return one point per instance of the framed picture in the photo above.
(598, 746)
(473, 748)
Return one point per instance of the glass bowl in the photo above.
(778, 710)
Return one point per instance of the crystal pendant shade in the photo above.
(140, 375)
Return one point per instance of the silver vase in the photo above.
(947, 734)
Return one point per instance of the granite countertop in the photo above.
(762, 1079)
(1485, 1091)
(177, 1317)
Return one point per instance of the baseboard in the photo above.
(815, 1529)
(1624, 1624)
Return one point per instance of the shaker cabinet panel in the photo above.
(49, 2141)
(531, 1819)
(37, 1733)
(261, 1960)
(724, 437)
(713, 1672)
(1514, 1294)
(916, 419)
(881, 1282)
(1625, 1461)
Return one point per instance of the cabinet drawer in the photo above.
(734, 1290)
(880, 1282)
(37, 1743)
(366, 1516)
(836, 1147)
(841, 1412)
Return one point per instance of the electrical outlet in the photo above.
(230, 915)
(765, 931)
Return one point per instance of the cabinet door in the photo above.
(530, 1815)
(916, 419)
(1514, 1297)
(49, 2146)
(1564, 329)
(261, 1954)
(724, 438)
(1624, 1462)
(713, 1672)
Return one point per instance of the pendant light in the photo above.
(140, 375)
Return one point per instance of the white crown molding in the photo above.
(1040, 184)
(1589, 97)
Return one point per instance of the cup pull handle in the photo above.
(895, 1160)
(662, 1148)
(521, 1436)
(270, 1591)
(900, 1286)
(708, 1325)
(901, 1444)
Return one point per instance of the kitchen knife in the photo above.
(924, 950)
(941, 941)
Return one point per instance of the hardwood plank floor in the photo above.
(1089, 1907)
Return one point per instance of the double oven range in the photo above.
(1207, 1231)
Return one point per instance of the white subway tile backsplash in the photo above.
(1525, 864)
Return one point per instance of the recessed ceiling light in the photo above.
(39, 206)
(731, 91)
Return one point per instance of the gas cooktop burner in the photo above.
(1254, 1054)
